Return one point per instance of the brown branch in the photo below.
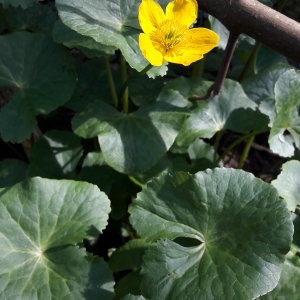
(216, 87)
(260, 22)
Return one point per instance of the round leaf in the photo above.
(38, 18)
(40, 219)
(70, 38)
(289, 283)
(288, 184)
(260, 89)
(232, 109)
(243, 230)
(55, 155)
(109, 24)
(134, 142)
(43, 75)
(12, 171)
(287, 96)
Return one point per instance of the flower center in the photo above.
(169, 34)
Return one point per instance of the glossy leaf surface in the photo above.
(243, 231)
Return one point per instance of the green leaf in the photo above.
(188, 87)
(134, 142)
(109, 24)
(296, 237)
(287, 119)
(41, 73)
(38, 18)
(267, 57)
(288, 184)
(164, 165)
(70, 38)
(12, 171)
(133, 297)
(202, 156)
(55, 155)
(41, 220)
(129, 257)
(92, 84)
(242, 228)
(221, 30)
(223, 33)
(16, 3)
(95, 170)
(231, 109)
(143, 90)
(288, 286)
(261, 89)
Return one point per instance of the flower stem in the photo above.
(246, 151)
(237, 142)
(135, 181)
(124, 98)
(198, 68)
(249, 61)
(125, 84)
(216, 87)
(216, 146)
(2, 16)
(111, 82)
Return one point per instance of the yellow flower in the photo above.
(167, 37)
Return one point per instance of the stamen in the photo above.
(169, 34)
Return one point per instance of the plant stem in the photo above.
(135, 181)
(198, 68)
(246, 151)
(249, 61)
(223, 70)
(230, 47)
(2, 16)
(15, 151)
(126, 84)
(111, 82)
(216, 146)
(124, 79)
(237, 142)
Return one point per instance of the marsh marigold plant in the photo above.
(168, 37)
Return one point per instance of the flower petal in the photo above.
(198, 42)
(150, 53)
(185, 59)
(150, 15)
(184, 11)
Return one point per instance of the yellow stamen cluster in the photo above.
(169, 34)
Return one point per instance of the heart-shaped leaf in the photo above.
(134, 142)
(38, 18)
(61, 151)
(289, 283)
(261, 89)
(232, 109)
(40, 222)
(288, 184)
(12, 171)
(129, 257)
(42, 76)
(242, 228)
(92, 84)
(70, 38)
(287, 119)
(109, 23)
